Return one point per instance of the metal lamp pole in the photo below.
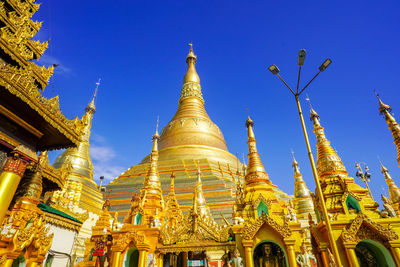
(365, 177)
(274, 69)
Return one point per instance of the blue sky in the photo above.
(138, 48)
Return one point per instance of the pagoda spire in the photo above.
(255, 173)
(199, 201)
(303, 201)
(394, 191)
(173, 213)
(152, 184)
(91, 107)
(191, 75)
(392, 124)
(329, 163)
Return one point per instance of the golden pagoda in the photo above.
(188, 140)
(362, 233)
(80, 196)
(392, 124)
(86, 193)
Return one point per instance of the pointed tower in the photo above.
(303, 202)
(342, 195)
(77, 159)
(392, 124)
(200, 207)
(173, 213)
(394, 191)
(152, 202)
(259, 192)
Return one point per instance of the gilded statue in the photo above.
(236, 261)
(304, 258)
(268, 259)
(388, 211)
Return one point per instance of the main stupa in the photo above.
(190, 141)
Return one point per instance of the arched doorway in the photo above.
(131, 258)
(269, 253)
(371, 254)
(19, 262)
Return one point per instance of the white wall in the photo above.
(63, 241)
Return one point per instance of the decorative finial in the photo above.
(382, 106)
(156, 135)
(91, 106)
(191, 54)
(313, 114)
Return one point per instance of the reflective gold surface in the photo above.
(392, 124)
(303, 202)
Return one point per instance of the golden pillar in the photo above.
(116, 259)
(142, 258)
(396, 255)
(248, 252)
(160, 260)
(9, 179)
(291, 255)
(352, 257)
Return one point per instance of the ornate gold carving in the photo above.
(250, 229)
(125, 239)
(191, 89)
(364, 227)
(15, 164)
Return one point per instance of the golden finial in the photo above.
(191, 74)
(156, 135)
(313, 114)
(382, 106)
(91, 106)
(255, 173)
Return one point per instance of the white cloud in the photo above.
(101, 153)
(103, 156)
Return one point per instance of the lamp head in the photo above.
(101, 177)
(359, 174)
(301, 57)
(324, 65)
(274, 69)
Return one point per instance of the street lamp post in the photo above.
(275, 70)
(365, 177)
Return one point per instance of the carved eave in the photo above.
(251, 229)
(62, 222)
(197, 246)
(124, 239)
(25, 7)
(58, 131)
(350, 234)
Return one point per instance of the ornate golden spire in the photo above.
(151, 184)
(191, 131)
(191, 75)
(255, 173)
(329, 163)
(394, 191)
(302, 197)
(199, 202)
(392, 124)
(79, 157)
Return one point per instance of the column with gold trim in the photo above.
(9, 179)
